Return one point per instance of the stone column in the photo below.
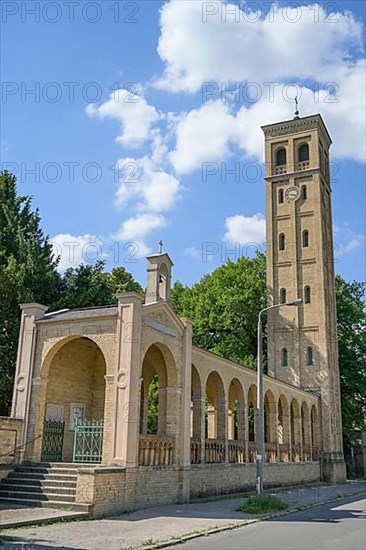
(297, 433)
(163, 429)
(230, 424)
(128, 367)
(203, 429)
(144, 405)
(184, 418)
(222, 432)
(287, 434)
(108, 418)
(211, 422)
(300, 439)
(246, 433)
(185, 412)
(197, 417)
(173, 403)
(273, 431)
(24, 366)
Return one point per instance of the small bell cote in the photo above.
(159, 272)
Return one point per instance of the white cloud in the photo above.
(346, 240)
(286, 43)
(155, 189)
(343, 114)
(209, 133)
(268, 54)
(136, 228)
(202, 136)
(74, 250)
(132, 111)
(245, 229)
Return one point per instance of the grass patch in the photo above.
(262, 505)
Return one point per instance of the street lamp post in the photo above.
(260, 412)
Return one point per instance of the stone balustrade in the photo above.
(155, 450)
(284, 453)
(195, 451)
(306, 453)
(214, 451)
(252, 451)
(281, 170)
(315, 454)
(236, 450)
(296, 452)
(270, 451)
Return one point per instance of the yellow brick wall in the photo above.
(115, 490)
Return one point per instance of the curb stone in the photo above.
(232, 526)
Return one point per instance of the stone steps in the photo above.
(42, 484)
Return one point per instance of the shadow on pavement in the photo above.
(328, 512)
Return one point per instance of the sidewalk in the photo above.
(172, 523)
(14, 515)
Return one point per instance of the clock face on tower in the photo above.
(292, 194)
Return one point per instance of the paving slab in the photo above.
(151, 527)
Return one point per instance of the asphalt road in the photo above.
(333, 526)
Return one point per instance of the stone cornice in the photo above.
(295, 126)
(292, 175)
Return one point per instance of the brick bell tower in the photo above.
(302, 341)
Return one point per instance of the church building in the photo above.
(80, 433)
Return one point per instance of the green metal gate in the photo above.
(88, 441)
(52, 440)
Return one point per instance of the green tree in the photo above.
(224, 308)
(91, 286)
(351, 322)
(27, 273)
(153, 405)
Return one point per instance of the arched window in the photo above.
(304, 192)
(307, 295)
(303, 152)
(280, 196)
(309, 357)
(305, 238)
(284, 358)
(281, 157)
(282, 241)
(282, 296)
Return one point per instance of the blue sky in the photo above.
(131, 110)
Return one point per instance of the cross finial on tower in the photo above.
(297, 109)
(161, 246)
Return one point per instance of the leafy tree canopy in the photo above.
(27, 273)
(224, 307)
(352, 352)
(91, 286)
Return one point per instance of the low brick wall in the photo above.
(10, 429)
(113, 490)
(220, 479)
